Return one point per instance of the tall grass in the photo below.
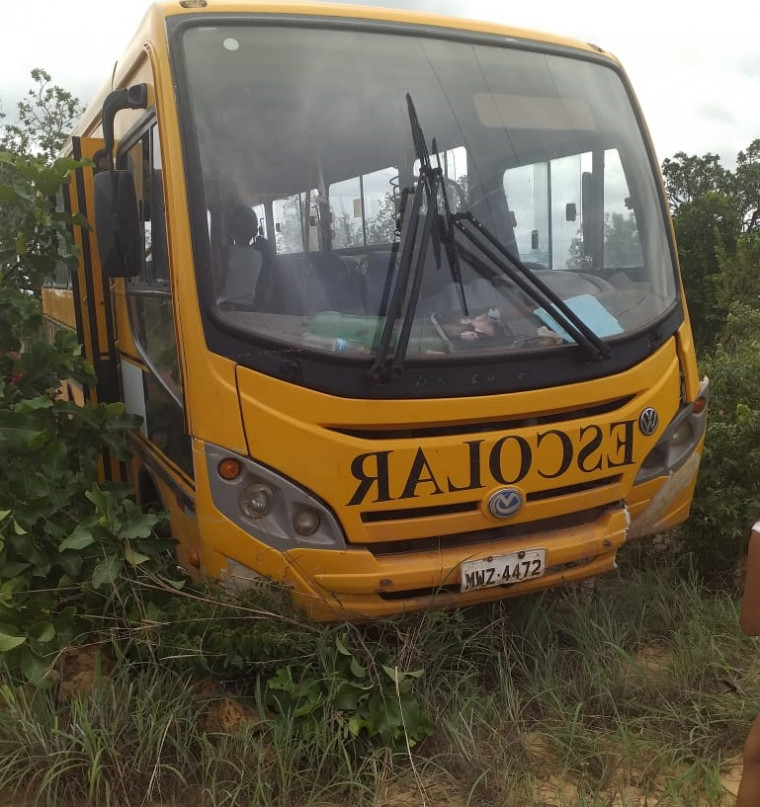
(637, 689)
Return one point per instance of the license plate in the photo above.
(502, 570)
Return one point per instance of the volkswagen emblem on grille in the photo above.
(506, 502)
(648, 421)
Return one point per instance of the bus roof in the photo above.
(346, 11)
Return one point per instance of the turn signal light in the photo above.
(229, 469)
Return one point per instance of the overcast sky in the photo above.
(695, 68)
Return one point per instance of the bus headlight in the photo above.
(682, 433)
(678, 441)
(306, 521)
(655, 459)
(257, 500)
(268, 506)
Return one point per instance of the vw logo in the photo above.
(648, 421)
(505, 502)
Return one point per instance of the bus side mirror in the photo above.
(117, 224)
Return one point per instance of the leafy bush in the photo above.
(34, 236)
(704, 227)
(717, 224)
(729, 483)
(355, 700)
(67, 544)
(316, 682)
(69, 548)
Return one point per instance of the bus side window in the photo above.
(151, 311)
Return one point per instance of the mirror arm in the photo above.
(134, 97)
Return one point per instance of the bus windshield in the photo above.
(318, 236)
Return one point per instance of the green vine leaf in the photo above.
(133, 557)
(9, 642)
(79, 539)
(106, 572)
(43, 632)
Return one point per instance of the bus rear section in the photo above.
(405, 325)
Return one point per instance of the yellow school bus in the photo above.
(396, 297)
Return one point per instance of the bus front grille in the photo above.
(402, 514)
(492, 535)
(380, 432)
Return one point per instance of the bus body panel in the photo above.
(302, 434)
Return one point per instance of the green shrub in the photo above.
(68, 546)
(729, 483)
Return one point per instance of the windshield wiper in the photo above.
(412, 253)
(441, 229)
(510, 265)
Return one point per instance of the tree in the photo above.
(289, 236)
(739, 273)
(622, 246)
(747, 185)
(621, 240)
(712, 207)
(705, 227)
(346, 232)
(381, 229)
(688, 177)
(45, 119)
(34, 236)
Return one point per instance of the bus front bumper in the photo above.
(357, 584)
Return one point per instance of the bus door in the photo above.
(150, 366)
(92, 299)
